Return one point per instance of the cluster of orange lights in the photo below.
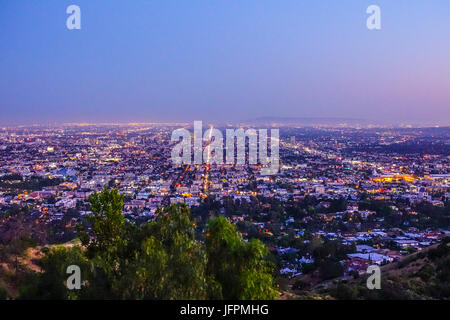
(395, 178)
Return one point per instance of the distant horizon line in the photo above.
(272, 121)
(282, 120)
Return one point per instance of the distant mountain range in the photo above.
(312, 120)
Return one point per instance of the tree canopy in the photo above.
(160, 259)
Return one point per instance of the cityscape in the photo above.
(345, 198)
(224, 159)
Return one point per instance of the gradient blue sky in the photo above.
(164, 60)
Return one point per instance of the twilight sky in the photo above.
(167, 60)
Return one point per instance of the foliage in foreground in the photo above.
(161, 259)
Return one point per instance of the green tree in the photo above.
(160, 259)
(241, 268)
(171, 264)
(51, 283)
(107, 220)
